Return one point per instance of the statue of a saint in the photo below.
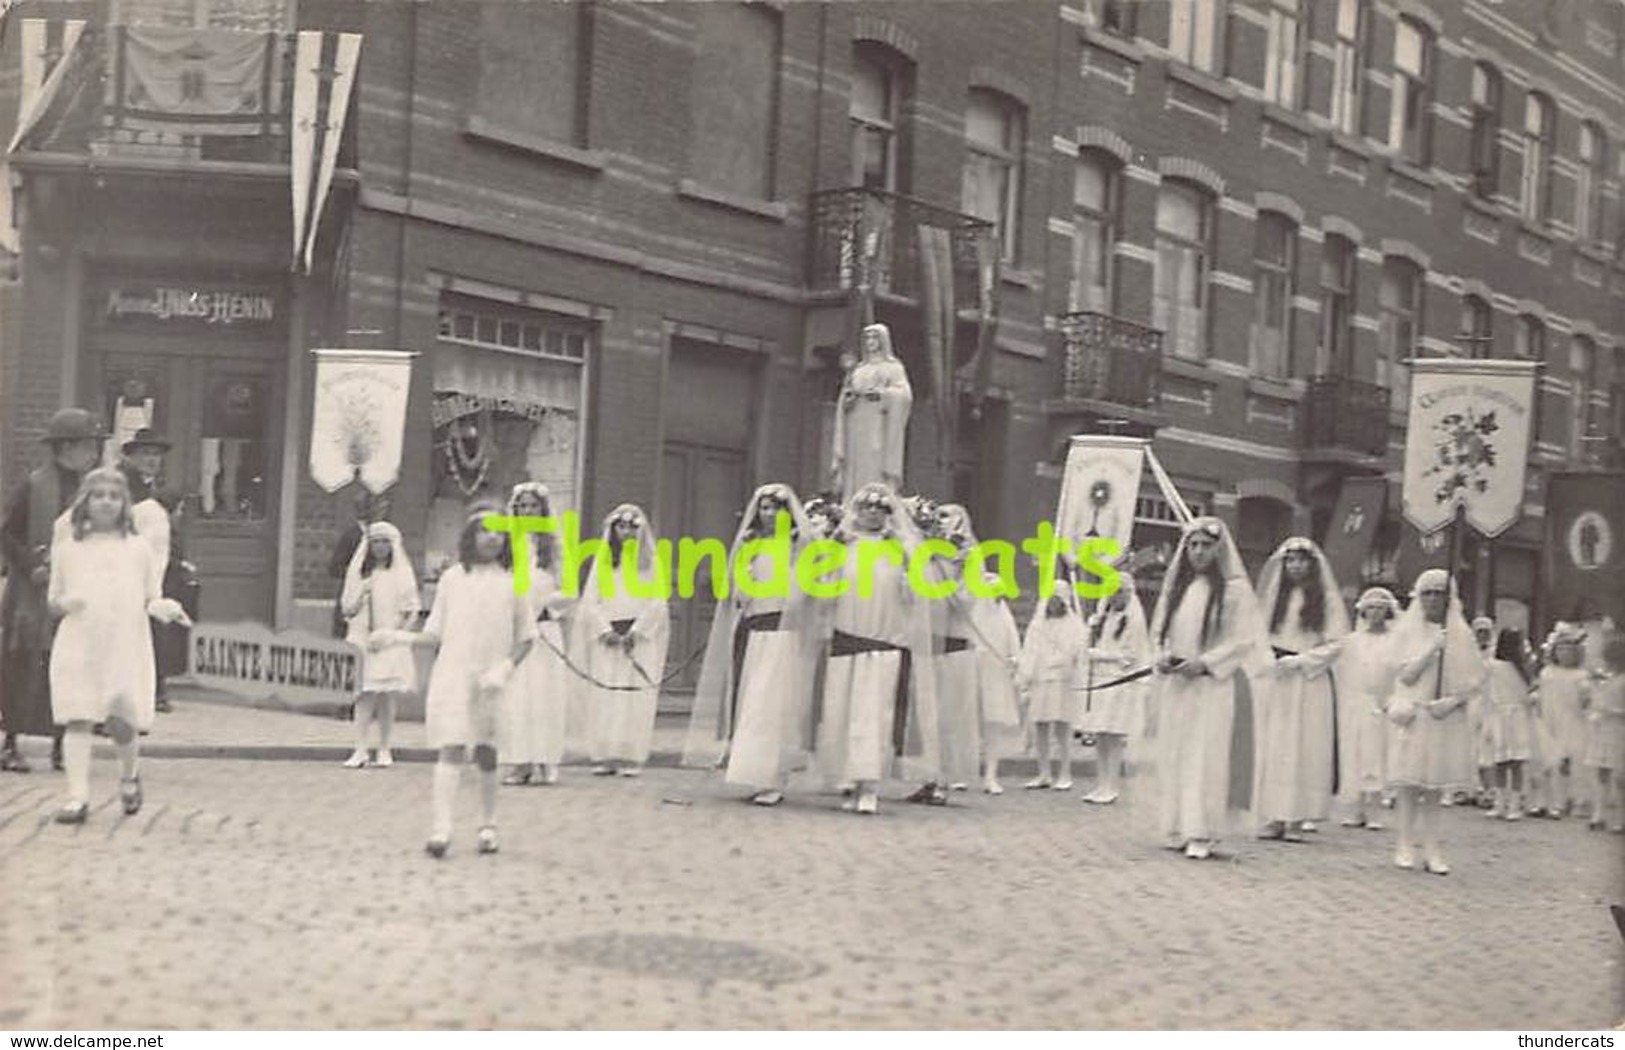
(872, 417)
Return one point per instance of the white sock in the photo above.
(76, 745)
(129, 758)
(446, 775)
(488, 796)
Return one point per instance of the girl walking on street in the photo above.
(1605, 745)
(484, 630)
(537, 703)
(1118, 642)
(380, 594)
(1047, 675)
(1565, 691)
(105, 585)
(1509, 725)
(1365, 675)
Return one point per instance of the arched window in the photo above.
(1337, 270)
(1588, 199)
(1348, 66)
(1477, 334)
(1274, 263)
(1184, 243)
(1484, 149)
(1410, 127)
(880, 79)
(995, 132)
(1399, 326)
(1539, 132)
(1531, 338)
(1096, 192)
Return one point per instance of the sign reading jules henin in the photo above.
(176, 305)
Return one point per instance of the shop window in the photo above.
(233, 455)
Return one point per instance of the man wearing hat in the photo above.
(141, 462)
(74, 438)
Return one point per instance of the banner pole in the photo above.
(1457, 527)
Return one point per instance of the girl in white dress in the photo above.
(1430, 741)
(1509, 725)
(484, 631)
(1118, 643)
(752, 705)
(1206, 630)
(380, 593)
(1049, 676)
(1365, 679)
(1295, 702)
(536, 705)
(998, 647)
(105, 584)
(1605, 744)
(1564, 689)
(619, 638)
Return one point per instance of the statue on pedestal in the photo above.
(872, 417)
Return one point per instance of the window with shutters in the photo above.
(1184, 230)
(1096, 185)
(1284, 59)
(1484, 149)
(1399, 326)
(533, 64)
(1410, 125)
(1539, 134)
(991, 190)
(1274, 259)
(880, 80)
(1337, 262)
(1477, 333)
(1348, 65)
(1588, 198)
(735, 97)
(1194, 28)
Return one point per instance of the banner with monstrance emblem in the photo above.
(359, 418)
(1467, 442)
(1101, 486)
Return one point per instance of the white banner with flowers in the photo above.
(1467, 442)
(359, 418)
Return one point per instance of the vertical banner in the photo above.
(1353, 528)
(359, 417)
(1585, 545)
(307, 60)
(937, 301)
(1467, 442)
(39, 83)
(1099, 488)
(323, 78)
(339, 79)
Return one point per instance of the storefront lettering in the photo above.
(448, 407)
(218, 307)
(251, 660)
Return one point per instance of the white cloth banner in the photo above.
(324, 75)
(1100, 487)
(359, 417)
(1467, 442)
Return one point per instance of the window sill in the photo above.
(1351, 144)
(1116, 45)
(1601, 254)
(1020, 278)
(1402, 167)
(1291, 118)
(1487, 208)
(1279, 389)
(1201, 81)
(1537, 229)
(482, 130)
(1187, 368)
(773, 210)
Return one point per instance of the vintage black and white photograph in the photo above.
(794, 515)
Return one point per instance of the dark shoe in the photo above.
(12, 761)
(56, 756)
(164, 706)
(436, 847)
(923, 795)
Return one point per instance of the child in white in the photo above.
(1564, 689)
(380, 594)
(1365, 674)
(1119, 642)
(1048, 677)
(105, 584)
(997, 650)
(1509, 725)
(484, 630)
(1605, 744)
(537, 703)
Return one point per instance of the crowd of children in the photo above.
(1397, 709)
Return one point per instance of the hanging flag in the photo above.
(937, 301)
(1100, 487)
(1467, 442)
(989, 256)
(44, 48)
(1585, 543)
(194, 81)
(1353, 528)
(359, 417)
(324, 74)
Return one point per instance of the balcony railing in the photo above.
(1112, 360)
(847, 222)
(104, 108)
(1341, 414)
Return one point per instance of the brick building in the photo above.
(629, 242)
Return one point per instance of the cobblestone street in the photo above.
(295, 894)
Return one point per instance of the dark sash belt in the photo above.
(952, 645)
(843, 644)
(622, 627)
(768, 621)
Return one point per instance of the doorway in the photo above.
(220, 475)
